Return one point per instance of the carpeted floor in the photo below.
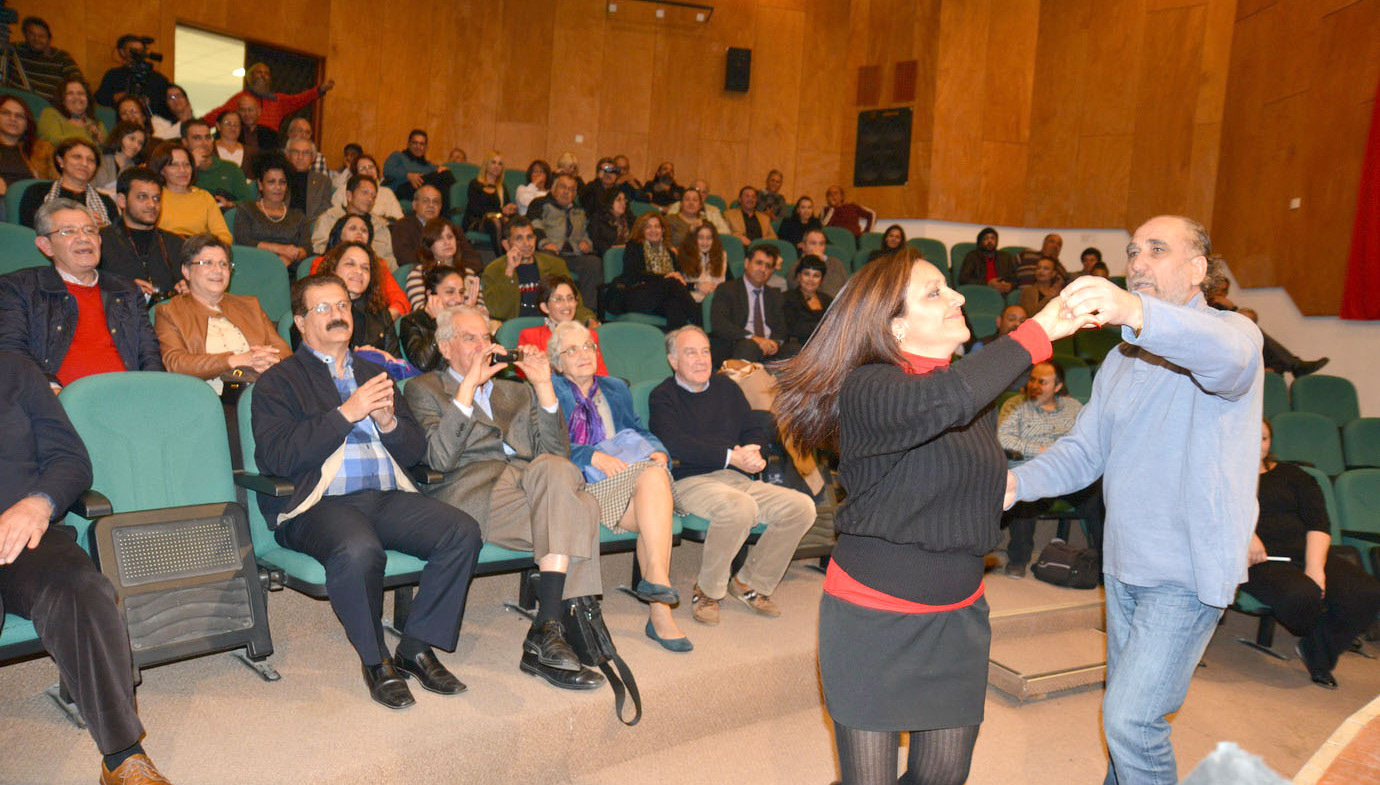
(744, 707)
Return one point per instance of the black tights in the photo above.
(937, 757)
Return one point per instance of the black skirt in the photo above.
(885, 671)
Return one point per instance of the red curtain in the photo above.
(1361, 298)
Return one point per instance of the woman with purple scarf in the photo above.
(625, 467)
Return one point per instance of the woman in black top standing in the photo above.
(903, 630)
(1325, 600)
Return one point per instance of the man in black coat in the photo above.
(748, 317)
(46, 577)
(134, 247)
(986, 265)
(332, 423)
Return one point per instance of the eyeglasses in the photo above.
(572, 351)
(325, 308)
(90, 230)
(562, 299)
(214, 263)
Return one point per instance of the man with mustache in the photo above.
(273, 107)
(70, 318)
(333, 424)
(1164, 428)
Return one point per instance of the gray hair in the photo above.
(445, 324)
(675, 334)
(43, 219)
(1197, 235)
(558, 336)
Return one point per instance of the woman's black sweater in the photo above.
(925, 476)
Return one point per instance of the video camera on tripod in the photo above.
(140, 65)
(10, 64)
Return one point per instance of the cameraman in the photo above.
(137, 71)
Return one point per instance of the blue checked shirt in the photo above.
(367, 464)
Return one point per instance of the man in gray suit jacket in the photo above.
(503, 448)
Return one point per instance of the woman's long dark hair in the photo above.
(30, 133)
(855, 331)
(338, 228)
(374, 299)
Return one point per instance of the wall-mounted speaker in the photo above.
(738, 70)
(882, 156)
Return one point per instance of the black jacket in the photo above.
(297, 425)
(41, 452)
(800, 320)
(374, 329)
(38, 317)
(729, 313)
(159, 265)
(974, 269)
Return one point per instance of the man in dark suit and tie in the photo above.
(505, 452)
(748, 318)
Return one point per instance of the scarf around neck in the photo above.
(586, 426)
(93, 201)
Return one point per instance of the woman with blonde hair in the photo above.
(489, 203)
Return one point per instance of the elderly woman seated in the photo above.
(208, 332)
(634, 494)
(558, 299)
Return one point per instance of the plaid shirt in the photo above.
(367, 464)
(1028, 429)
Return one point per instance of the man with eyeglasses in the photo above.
(308, 190)
(333, 424)
(407, 231)
(504, 449)
(134, 247)
(70, 318)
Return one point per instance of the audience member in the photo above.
(308, 190)
(69, 318)
(209, 333)
(537, 185)
(690, 212)
(177, 110)
(386, 205)
(1029, 259)
(653, 283)
(816, 243)
(187, 210)
(362, 272)
(137, 76)
(503, 448)
(567, 163)
(1046, 287)
(360, 192)
(488, 202)
(704, 419)
(893, 240)
(255, 137)
(358, 229)
(560, 302)
(407, 170)
(801, 220)
(1100, 270)
(334, 425)
(635, 494)
(132, 110)
(23, 156)
(270, 222)
(44, 64)
(1088, 259)
(72, 115)
(745, 223)
(703, 262)
(134, 247)
(986, 265)
(457, 156)
(341, 177)
(748, 318)
(273, 107)
(76, 161)
(443, 287)
(45, 576)
(612, 222)
(661, 188)
(1277, 357)
(849, 215)
(124, 149)
(224, 180)
(566, 228)
(1315, 592)
(606, 181)
(300, 128)
(229, 130)
(511, 281)
(442, 242)
(407, 231)
(770, 199)
(806, 302)
(1027, 425)
(625, 175)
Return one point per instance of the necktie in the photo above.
(759, 328)
(569, 230)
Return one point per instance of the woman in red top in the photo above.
(903, 627)
(558, 298)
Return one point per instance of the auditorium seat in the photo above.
(733, 249)
(934, 251)
(613, 263)
(1358, 508)
(1331, 396)
(642, 208)
(400, 274)
(634, 352)
(460, 191)
(707, 311)
(982, 298)
(717, 201)
(1276, 395)
(870, 241)
(1361, 443)
(844, 239)
(1308, 437)
(859, 259)
(17, 249)
(956, 253)
(229, 215)
(1095, 345)
(512, 178)
(1014, 250)
(15, 194)
(1077, 376)
(507, 335)
(261, 274)
(789, 256)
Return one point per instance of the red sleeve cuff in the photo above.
(1031, 336)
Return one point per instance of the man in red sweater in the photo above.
(274, 107)
(72, 319)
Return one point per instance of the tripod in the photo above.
(9, 59)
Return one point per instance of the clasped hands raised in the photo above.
(1089, 301)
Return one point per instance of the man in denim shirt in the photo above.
(1167, 428)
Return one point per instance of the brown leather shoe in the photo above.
(761, 603)
(136, 770)
(704, 609)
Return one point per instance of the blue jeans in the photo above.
(1155, 637)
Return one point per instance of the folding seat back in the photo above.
(17, 249)
(982, 298)
(1276, 395)
(1095, 345)
(635, 352)
(508, 332)
(1331, 396)
(14, 195)
(400, 274)
(717, 201)
(1361, 443)
(841, 237)
(957, 252)
(1077, 376)
(733, 249)
(859, 259)
(1308, 437)
(460, 191)
(934, 251)
(869, 241)
(261, 274)
(613, 263)
(1358, 508)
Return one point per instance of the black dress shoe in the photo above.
(386, 685)
(430, 673)
(582, 679)
(1321, 675)
(546, 642)
(1305, 367)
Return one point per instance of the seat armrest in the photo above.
(265, 484)
(1361, 535)
(91, 504)
(425, 475)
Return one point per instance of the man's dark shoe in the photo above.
(579, 679)
(1303, 368)
(387, 686)
(430, 673)
(1317, 671)
(546, 641)
(1014, 571)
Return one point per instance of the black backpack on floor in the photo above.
(1064, 565)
